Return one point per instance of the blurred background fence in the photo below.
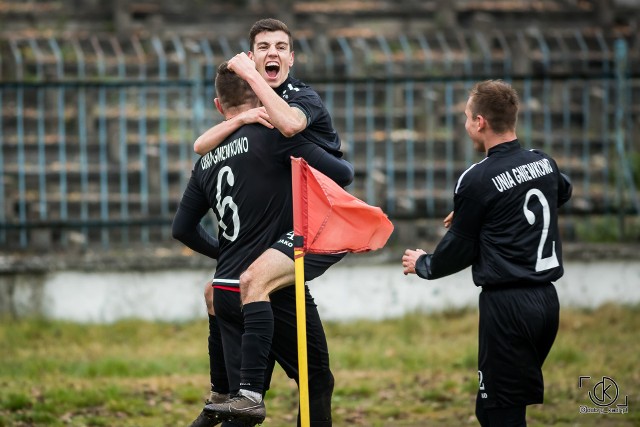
(97, 127)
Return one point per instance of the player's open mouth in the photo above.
(272, 69)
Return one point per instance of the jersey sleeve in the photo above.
(452, 254)
(458, 248)
(186, 225)
(468, 216)
(339, 170)
(309, 103)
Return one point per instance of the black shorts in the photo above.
(314, 264)
(517, 328)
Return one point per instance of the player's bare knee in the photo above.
(250, 287)
(246, 280)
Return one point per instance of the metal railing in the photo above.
(96, 134)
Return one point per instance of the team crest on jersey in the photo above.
(289, 87)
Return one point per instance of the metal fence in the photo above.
(96, 132)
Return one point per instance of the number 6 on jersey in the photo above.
(227, 201)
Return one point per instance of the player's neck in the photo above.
(231, 112)
(495, 139)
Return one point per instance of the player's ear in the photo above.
(219, 106)
(482, 122)
(291, 59)
(250, 54)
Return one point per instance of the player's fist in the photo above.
(242, 65)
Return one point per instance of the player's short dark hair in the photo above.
(271, 25)
(231, 90)
(497, 102)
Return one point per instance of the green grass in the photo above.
(418, 370)
(608, 229)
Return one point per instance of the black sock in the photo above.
(256, 344)
(217, 368)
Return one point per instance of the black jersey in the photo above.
(246, 180)
(319, 128)
(505, 221)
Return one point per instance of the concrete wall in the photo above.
(354, 290)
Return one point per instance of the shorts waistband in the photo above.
(226, 288)
(515, 285)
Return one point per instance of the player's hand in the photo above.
(409, 260)
(242, 65)
(256, 115)
(448, 219)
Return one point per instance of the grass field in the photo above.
(418, 370)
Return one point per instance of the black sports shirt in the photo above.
(246, 180)
(319, 128)
(505, 221)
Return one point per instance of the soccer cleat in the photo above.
(210, 419)
(216, 397)
(206, 419)
(239, 408)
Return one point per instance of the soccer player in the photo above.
(293, 108)
(504, 225)
(287, 103)
(247, 181)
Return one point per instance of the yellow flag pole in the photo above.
(301, 315)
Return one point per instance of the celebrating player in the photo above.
(505, 225)
(247, 181)
(293, 108)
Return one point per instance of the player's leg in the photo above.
(550, 309)
(217, 371)
(255, 343)
(481, 413)
(285, 330)
(230, 322)
(514, 416)
(273, 270)
(285, 349)
(513, 323)
(269, 271)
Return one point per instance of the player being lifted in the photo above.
(293, 108)
(249, 189)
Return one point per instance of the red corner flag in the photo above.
(330, 219)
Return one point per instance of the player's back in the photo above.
(249, 186)
(519, 240)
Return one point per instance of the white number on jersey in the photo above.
(551, 261)
(227, 202)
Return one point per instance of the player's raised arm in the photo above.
(214, 136)
(289, 120)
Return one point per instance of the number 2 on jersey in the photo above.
(551, 261)
(221, 206)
